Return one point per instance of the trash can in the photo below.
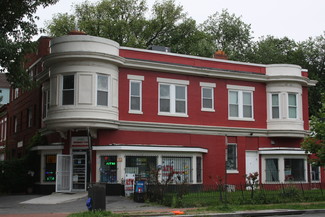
(140, 191)
(96, 197)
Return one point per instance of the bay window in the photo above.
(68, 90)
(102, 90)
(275, 106)
(292, 105)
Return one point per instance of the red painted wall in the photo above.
(196, 116)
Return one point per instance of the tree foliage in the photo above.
(16, 31)
(315, 142)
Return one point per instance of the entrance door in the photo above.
(79, 171)
(63, 173)
(252, 162)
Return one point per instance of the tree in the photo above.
(228, 33)
(315, 142)
(16, 31)
(125, 22)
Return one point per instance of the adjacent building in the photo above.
(108, 110)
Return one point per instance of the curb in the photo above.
(241, 214)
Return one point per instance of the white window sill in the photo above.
(240, 119)
(135, 112)
(232, 171)
(173, 114)
(207, 110)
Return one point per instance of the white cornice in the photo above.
(149, 148)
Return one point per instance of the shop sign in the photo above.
(129, 184)
(79, 141)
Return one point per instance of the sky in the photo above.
(296, 19)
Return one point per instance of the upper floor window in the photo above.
(30, 117)
(207, 90)
(232, 157)
(275, 106)
(172, 97)
(135, 100)
(292, 105)
(46, 102)
(102, 90)
(15, 124)
(16, 93)
(240, 99)
(68, 90)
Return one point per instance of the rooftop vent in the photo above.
(159, 48)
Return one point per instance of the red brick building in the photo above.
(109, 110)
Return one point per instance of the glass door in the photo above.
(79, 171)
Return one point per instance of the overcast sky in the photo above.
(296, 19)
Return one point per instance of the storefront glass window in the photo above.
(177, 169)
(50, 168)
(141, 166)
(108, 169)
(294, 170)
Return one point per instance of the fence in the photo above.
(185, 195)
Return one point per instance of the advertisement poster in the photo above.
(129, 184)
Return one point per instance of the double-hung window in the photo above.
(275, 106)
(240, 101)
(292, 105)
(231, 157)
(68, 90)
(207, 93)
(172, 97)
(135, 99)
(102, 90)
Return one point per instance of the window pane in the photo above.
(231, 157)
(68, 97)
(102, 98)
(272, 170)
(164, 91)
(315, 173)
(233, 99)
(198, 169)
(275, 112)
(292, 100)
(178, 167)
(275, 99)
(108, 169)
(207, 93)
(233, 109)
(292, 112)
(294, 170)
(247, 99)
(102, 82)
(164, 105)
(247, 111)
(135, 88)
(207, 103)
(50, 168)
(180, 92)
(180, 107)
(135, 103)
(68, 82)
(140, 165)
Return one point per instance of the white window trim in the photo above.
(208, 86)
(74, 89)
(138, 79)
(108, 89)
(297, 106)
(232, 171)
(241, 90)
(173, 83)
(281, 161)
(320, 175)
(271, 106)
